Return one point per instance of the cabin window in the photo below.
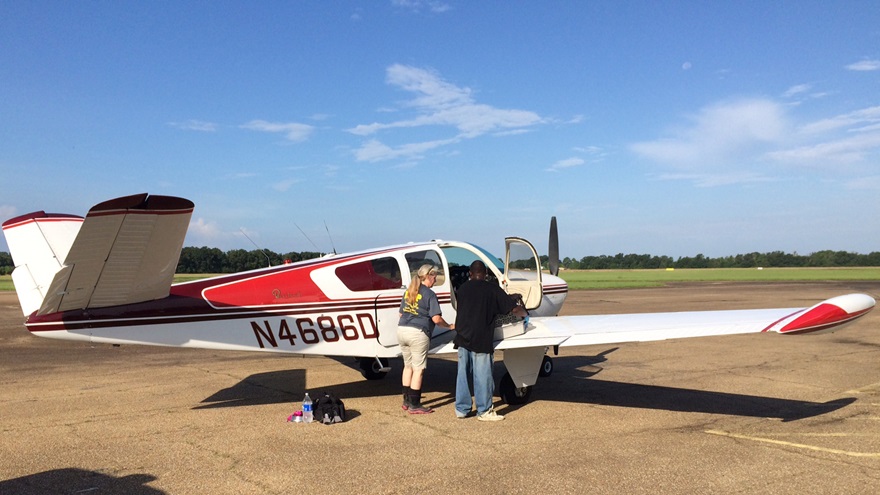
(377, 274)
(418, 258)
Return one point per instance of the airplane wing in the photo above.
(582, 330)
(607, 329)
(125, 252)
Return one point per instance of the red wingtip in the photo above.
(829, 315)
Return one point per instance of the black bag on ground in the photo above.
(329, 409)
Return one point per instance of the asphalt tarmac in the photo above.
(742, 414)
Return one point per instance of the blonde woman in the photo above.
(419, 312)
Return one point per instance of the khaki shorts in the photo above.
(414, 345)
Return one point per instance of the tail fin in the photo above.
(125, 251)
(39, 243)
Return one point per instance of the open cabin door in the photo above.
(522, 271)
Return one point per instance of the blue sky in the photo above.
(665, 128)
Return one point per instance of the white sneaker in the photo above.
(490, 415)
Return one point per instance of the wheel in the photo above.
(512, 394)
(372, 369)
(546, 367)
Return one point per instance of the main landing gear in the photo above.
(374, 368)
(514, 393)
(511, 394)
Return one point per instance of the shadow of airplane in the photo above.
(568, 383)
(272, 387)
(72, 480)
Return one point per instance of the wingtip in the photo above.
(828, 315)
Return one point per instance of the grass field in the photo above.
(620, 279)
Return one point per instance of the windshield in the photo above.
(464, 257)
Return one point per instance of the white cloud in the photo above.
(850, 138)
(836, 151)
(374, 150)
(438, 103)
(716, 180)
(566, 163)
(195, 125)
(864, 117)
(418, 5)
(718, 135)
(292, 131)
(796, 90)
(740, 142)
(284, 185)
(203, 229)
(590, 150)
(864, 65)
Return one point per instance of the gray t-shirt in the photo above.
(420, 315)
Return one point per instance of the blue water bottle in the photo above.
(307, 409)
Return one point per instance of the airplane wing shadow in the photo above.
(272, 387)
(288, 386)
(568, 383)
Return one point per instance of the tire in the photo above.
(372, 370)
(546, 367)
(512, 394)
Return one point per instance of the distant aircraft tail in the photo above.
(125, 251)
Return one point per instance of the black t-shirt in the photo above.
(479, 302)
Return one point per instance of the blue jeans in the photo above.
(479, 365)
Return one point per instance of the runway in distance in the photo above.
(107, 278)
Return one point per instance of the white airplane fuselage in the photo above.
(338, 305)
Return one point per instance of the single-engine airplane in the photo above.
(107, 278)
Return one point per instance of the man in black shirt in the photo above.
(479, 302)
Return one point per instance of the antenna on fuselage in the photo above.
(307, 237)
(331, 238)
(268, 260)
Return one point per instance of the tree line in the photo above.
(774, 259)
(213, 260)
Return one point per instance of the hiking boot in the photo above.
(415, 403)
(407, 403)
(419, 409)
(490, 415)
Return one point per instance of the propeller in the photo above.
(553, 249)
